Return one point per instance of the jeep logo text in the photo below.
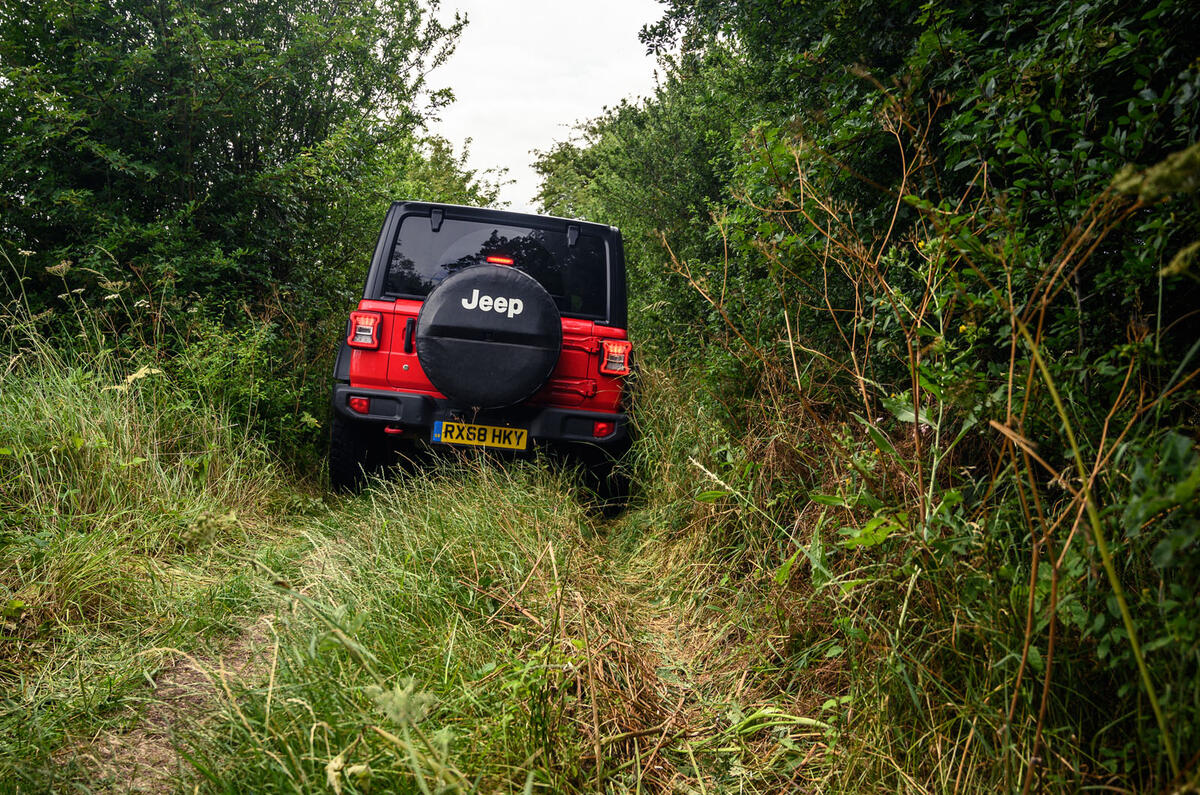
(485, 303)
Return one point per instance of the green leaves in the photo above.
(161, 137)
(1166, 492)
(875, 531)
(902, 409)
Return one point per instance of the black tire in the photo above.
(605, 477)
(488, 337)
(609, 475)
(356, 450)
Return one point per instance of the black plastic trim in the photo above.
(420, 411)
(618, 314)
(383, 250)
(410, 332)
(618, 309)
(341, 365)
(386, 405)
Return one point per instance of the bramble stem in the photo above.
(1102, 545)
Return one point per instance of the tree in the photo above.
(173, 140)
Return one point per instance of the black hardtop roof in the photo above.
(617, 310)
(505, 216)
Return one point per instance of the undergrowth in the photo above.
(806, 592)
(477, 627)
(126, 501)
(766, 616)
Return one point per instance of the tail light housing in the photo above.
(364, 330)
(359, 405)
(614, 356)
(603, 428)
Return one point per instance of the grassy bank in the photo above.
(128, 506)
(750, 624)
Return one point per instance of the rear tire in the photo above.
(605, 477)
(356, 450)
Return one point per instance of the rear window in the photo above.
(575, 276)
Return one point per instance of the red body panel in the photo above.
(576, 382)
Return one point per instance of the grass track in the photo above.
(473, 628)
(478, 630)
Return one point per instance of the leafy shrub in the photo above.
(924, 278)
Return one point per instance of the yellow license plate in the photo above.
(448, 432)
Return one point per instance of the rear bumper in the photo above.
(417, 414)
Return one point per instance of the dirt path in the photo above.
(144, 759)
(644, 689)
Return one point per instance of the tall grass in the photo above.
(970, 536)
(840, 578)
(125, 496)
(425, 650)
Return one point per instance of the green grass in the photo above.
(476, 627)
(471, 628)
(410, 618)
(126, 505)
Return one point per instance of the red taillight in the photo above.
(614, 356)
(495, 259)
(359, 405)
(603, 428)
(364, 330)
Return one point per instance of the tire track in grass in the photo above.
(147, 758)
(649, 681)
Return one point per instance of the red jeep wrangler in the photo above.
(483, 328)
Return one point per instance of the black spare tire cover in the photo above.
(489, 336)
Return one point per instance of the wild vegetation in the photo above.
(943, 297)
(914, 299)
(209, 173)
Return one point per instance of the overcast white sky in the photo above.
(525, 71)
